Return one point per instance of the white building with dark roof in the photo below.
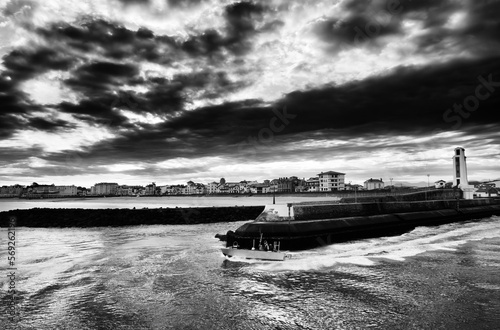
(373, 184)
(440, 184)
(331, 181)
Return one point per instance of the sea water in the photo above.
(175, 277)
(155, 202)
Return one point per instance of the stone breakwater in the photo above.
(46, 217)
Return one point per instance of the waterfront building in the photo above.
(104, 189)
(195, 188)
(312, 184)
(285, 185)
(331, 181)
(11, 191)
(259, 188)
(440, 184)
(174, 190)
(373, 184)
(244, 187)
(52, 190)
(349, 186)
(486, 192)
(212, 187)
(67, 190)
(150, 189)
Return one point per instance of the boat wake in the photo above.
(369, 252)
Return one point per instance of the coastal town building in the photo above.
(212, 188)
(285, 185)
(312, 184)
(52, 190)
(259, 188)
(440, 184)
(356, 187)
(373, 184)
(150, 189)
(331, 181)
(11, 191)
(485, 192)
(174, 190)
(104, 189)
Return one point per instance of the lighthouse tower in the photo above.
(459, 168)
(460, 173)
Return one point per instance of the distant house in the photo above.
(259, 188)
(486, 192)
(11, 191)
(285, 185)
(440, 184)
(331, 181)
(150, 189)
(349, 186)
(373, 184)
(104, 189)
(312, 184)
(212, 187)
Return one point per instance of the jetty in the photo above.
(303, 226)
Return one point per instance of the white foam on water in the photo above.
(368, 252)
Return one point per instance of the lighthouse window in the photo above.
(458, 152)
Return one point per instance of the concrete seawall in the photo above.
(44, 217)
(310, 226)
(311, 212)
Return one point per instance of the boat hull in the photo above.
(254, 254)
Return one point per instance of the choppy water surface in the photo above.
(174, 277)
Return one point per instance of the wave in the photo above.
(369, 252)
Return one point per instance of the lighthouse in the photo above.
(460, 173)
(459, 168)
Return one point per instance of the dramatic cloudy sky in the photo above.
(134, 91)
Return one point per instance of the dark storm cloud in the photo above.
(184, 3)
(359, 23)
(241, 18)
(165, 96)
(365, 23)
(99, 77)
(96, 80)
(26, 63)
(12, 105)
(96, 111)
(12, 101)
(100, 83)
(134, 2)
(21, 65)
(44, 124)
(408, 101)
(116, 42)
(477, 31)
(16, 107)
(10, 156)
(356, 29)
(112, 40)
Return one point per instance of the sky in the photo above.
(167, 91)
